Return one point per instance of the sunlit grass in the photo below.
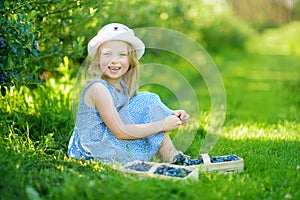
(284, 131)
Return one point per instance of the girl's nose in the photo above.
(115, 60)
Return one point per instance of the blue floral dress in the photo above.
(92, 139)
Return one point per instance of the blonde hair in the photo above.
(130, 78)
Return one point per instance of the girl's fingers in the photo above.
(176, 113)
(182, 115)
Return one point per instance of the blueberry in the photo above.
(234, 157)
(180, 159)
(185, 161)
(212, 159)
(172, 171)
(228, 158)
(142, 166)
(35, 44)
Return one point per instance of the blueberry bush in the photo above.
(19, 49)
(36, 36)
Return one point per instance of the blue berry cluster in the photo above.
(216, 159)
(180, 159)
(172, 171)
(141, 166)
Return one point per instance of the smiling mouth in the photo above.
(114, 69)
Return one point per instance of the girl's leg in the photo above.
(147, 107)
(167, 150)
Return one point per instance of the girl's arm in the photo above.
(104, 103)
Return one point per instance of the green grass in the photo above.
(262, 127)
(271, 171)
(262, 87)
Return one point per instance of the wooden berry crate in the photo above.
(194, 174)
(207, 166)
(222, 167)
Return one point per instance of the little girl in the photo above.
(114, 122)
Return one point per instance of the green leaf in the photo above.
(10, 62)
(6, 4)
(21, 16)
(35, 54)
(32, 194)
(53, 48)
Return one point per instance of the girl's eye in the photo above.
(106, 54)
(123, 54)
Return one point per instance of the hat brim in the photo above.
(135, 42)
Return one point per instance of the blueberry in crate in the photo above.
(216, 159)
(172, 171)
(140, 166)
(183, 160)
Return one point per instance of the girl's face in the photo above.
(114, 60)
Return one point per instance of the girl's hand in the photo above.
(182, 115)
(170, 123)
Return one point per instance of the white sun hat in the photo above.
(116, 31)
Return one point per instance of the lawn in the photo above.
(262, 126)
